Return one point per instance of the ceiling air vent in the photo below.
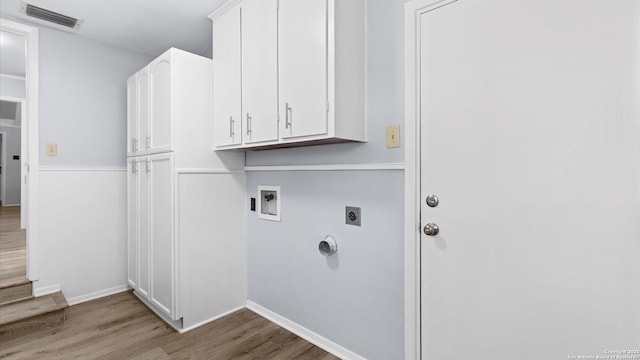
(50, 16)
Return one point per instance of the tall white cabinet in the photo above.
(289, 73)
(169, 134)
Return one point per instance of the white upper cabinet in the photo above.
(169, 108)
(161, 116)
(132, 116)
(227, 79)
(307, 57)
(303, 67)
(260, 70)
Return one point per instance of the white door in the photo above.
(529, 138)
(133, 141)
(227, 86)
(260, 70)
(162, 237)
(144, 135)
(133, 220)
(160, 105)
(302, 57)
(144, 248)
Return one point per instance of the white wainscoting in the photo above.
(83, 236)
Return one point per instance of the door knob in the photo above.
(431, 229)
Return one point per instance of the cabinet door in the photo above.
(227, 79)
(133, 140)
(260, 70)
(144, 137)
(144, 249)
(162, 235)
(160, 105)
(303, 67)
(133, 168)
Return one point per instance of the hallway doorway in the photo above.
(19, 77)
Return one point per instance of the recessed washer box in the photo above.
(269, 203)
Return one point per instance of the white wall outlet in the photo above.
(269, 203)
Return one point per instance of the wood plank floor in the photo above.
(121, 327)
(13, 247)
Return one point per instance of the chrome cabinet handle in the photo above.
(148, 167)
(431, 229)
(148, 142)
(134, 144)
(288, 116)
(249, 121)
(134, 167)
(231, 126)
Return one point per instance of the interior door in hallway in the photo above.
(529, 142)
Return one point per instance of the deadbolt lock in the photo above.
(432, 200)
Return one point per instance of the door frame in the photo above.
(30, 163)
(412, 127)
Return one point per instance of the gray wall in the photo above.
(9, 110)
(357, 298)
(12, 87)
(12, 170)
(82, 86)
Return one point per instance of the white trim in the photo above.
(82, 169)
(182, 331)
(412, 311)
(97, 294)
(411, 180)
(223, 9)
(304, 333)
(31, 159)
(205, 171)
(13, 77)
(10, 205)
(46, 290)
(328, 167)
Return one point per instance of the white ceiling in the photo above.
(147, 26)
(12, 54)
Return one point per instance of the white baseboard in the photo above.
(46, 290)
(97, 294)
(317, 340)
(10, 205)
(182, 331)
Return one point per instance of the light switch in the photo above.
(393, 136)
(52, 149)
